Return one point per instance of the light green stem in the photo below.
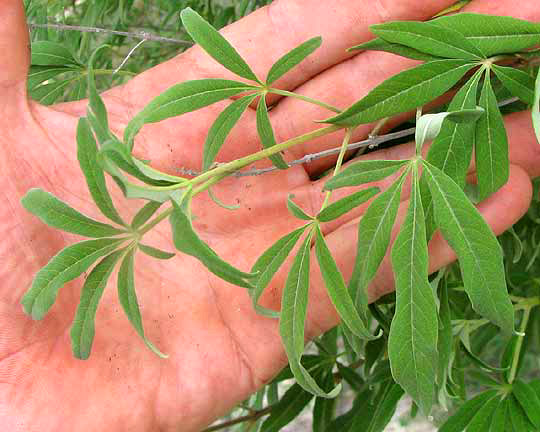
(519, 344)
(305, 99)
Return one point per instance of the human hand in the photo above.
(219, 349)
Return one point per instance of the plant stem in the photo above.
(250, 417)
(144, 229)
(519, 344)
(305, 99)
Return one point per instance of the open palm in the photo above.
(219, 349)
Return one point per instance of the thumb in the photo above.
(14, 46)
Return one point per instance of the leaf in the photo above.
(48, 53)
(374, 232)
(93, 172)
(215, 45)
(58, 214)
(493, 34)
(49, 93)
(293, 316)
(404, 92)
(498, 420)
(517, 82)
(479, 362)
(428, 38)
(529, 401)
(67, 265)
(266, 133)
(428, 126)
(291, 59)
(517, 416)
(268, 264)
(535, 110)
(221, 128)
(155, 174)
(459, 421)
(96, 110)
(364, 172)
(187, 241)
(182, 98)
(295, 210)
(479, 253)
(82, 330)
(324, 409)
(412, 344)
(491, 146)
(337, 290)
(40, 74)
(144, 214)
(287, 409)
(344, 205)
(158, 194)
(451, 151)
(128, 299)
(482, 418)
(352, 378)
(155, 253)
(445, 338)
(379, 44)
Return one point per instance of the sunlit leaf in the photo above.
(362, 172)
(344, 205)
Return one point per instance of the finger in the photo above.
(501, 211)
(351, 80)
(14, 45)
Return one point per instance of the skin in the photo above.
(220, 350)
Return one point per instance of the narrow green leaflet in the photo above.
(480, 255)
(518, 419)
(83, 330)
(535, 110)
(337, 289)
(144, 214)
(266, 133)
(287, 409)
(344, 205)
(292, 58)
(364, 172)
(48, 53)
(68, 264)
(493, 34)
(428, 38)
(155, 174)
(182, 98)
(491, 146)
(293, 317)
(517, 82)
(295, 210)
(59, 215)
(215, 45)
(155, 253)
(529, 401)
(482, 418)
(404, 92)
(269, 263)
(221, 128)
(379, 44)
(374, 232)
(445, 338)
(128, 299)
(412, 344)
(96, 110)
(158, 194)
(459, 421)
(40, 74)
(324, 409)
(498, 420)
(93, 172)
(187, 241)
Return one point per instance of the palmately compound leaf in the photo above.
(529, 401)
(535, 110)
(293, 317)
(459, 421)
(221, 128)
(362, 172)
(144, 214)
(48, 53)
(337, 289)
(83, 330)
(128, 299)
(187, 241)
(404, 92)
(428, 38)
(296, 210)
(344, 205)
(374, 232)
(215, 45)
(493, 34)
(379, 44)
(96, 110)
(87, 152)
(479, 253)
(287, 409)
(68, 264)
(292, 58)
(517, 82)
(491, 145)
(412, 344)
(155, 252)
(58, 214)
(266, 133)
(269, 263)
(182, 98)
